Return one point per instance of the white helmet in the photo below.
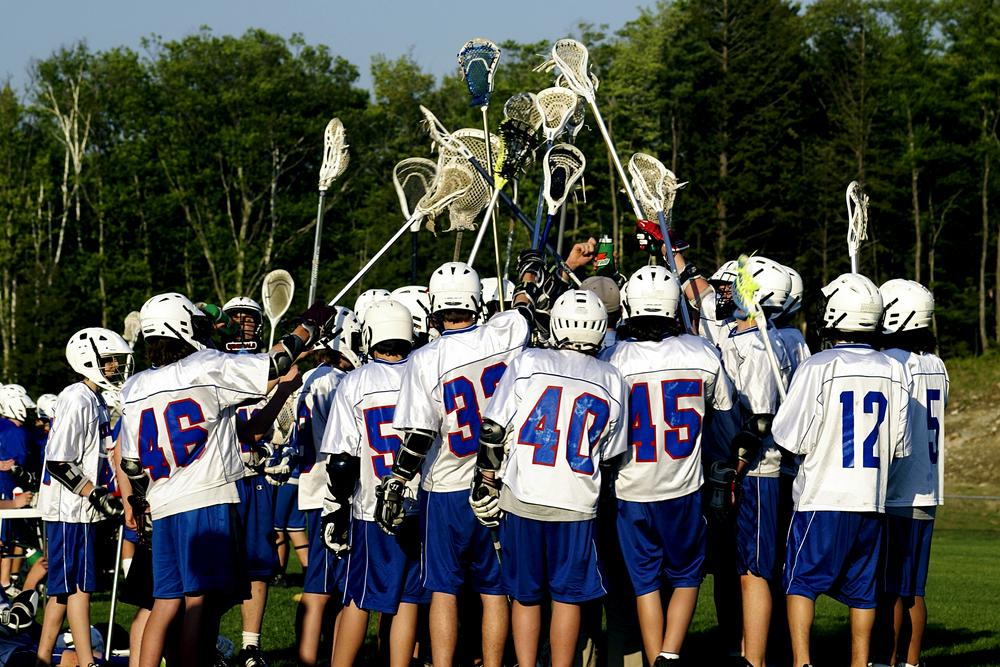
(15, 402)
(170, 315)
(100, 355)
(238, 303)
(907, 305)
(416, 299)
(773, 283)
(387, 319)
(455, 285)
(578, 321)
(46, 405)
(853, 303)
(345, 336)
(793, 302)
(725, 273)
(366, 299)
(653, 290)
(491, 290)
(624, 300)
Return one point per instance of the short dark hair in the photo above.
(393, 348)
(914, 340)
(649, 327)
(456, 315)
(162, 351)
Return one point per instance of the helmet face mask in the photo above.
(722, 281)
(345, 338)
(248, 317)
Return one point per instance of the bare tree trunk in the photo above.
(985, 202)
(918, 250)
(675, 140)
(721, 207)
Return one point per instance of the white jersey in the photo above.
(846, 412)
(795, 346)
(671, 385)
(361, 426)
(918, 480)
(563, 411)
(178, 421)
(315, 403)
(446, 386)
(82, 435)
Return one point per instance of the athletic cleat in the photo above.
(251, 656)
(665, 662)
(279, 580)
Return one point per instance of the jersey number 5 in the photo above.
(187, 439)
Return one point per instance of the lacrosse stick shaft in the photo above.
(274, 324)
(562, 230)
(314, 275)
(772, 359)
(668, 250)
(490, 213)
(854, 262)
(371, 262)
(413, 257)
(614, 158)
(490, 217)
(114, 588)
(510, 238)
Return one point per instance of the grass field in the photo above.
(963, 594)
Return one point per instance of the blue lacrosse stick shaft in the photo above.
(668, 250)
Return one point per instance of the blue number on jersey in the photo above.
(467, 410)
(383, 445)
(933, 424)
(150, 454)
(304, 437)
(490, 377)
(873, 400)
(541, 429)
(642, 430)
(187, 442)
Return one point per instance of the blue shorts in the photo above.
(256, 514)
(757, 527)
(71, 557)
(663, 542)
(130, 535)
(383, 570)
(907, 550)
(196, 552)
(287, 515)
(558, 558)
(325, 574)
(834, 553)
(457, 548)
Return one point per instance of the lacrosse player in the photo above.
(846, 414)
(674, 381)
(562, 410)
(179, 452)
(445, 386)
(74, 492)
(418, 302)
(916, 483)
(15, 412)
(324, 576)
(745, 357)
(362, 444)
(791, 336)
(256, 506)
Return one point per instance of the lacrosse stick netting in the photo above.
(412, 178)
(857, 221)
(745, 290)
(335, 155)
(478, 59)
(562, 169)
(557, 106)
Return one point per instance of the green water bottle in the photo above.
(605, 258)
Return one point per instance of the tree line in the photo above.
(192, 164)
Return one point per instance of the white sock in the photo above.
(126, 564)
(251, 639)
(668, 655)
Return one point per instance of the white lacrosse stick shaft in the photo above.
(772, 358)
(490, 218)
(371, 262)
(114, 588)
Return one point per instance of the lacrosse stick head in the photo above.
(557, 105)
(440, 135)
(857, 217)
(452, 181)
(648, 175)
(463, 211)
(745, 289)
(412, 178)
(276, 293)
(133, 325)
(525, 109)
(335, 155)
(670, 186)
(563, 167)
(478, 59)
(518, 142)
(576, 120)
(572, 60)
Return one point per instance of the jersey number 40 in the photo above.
(541, 429)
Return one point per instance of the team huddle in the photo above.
(469, 458)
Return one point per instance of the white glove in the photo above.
(485, 502)
(279, 467)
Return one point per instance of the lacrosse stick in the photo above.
(276, 294)
(558, 105)
(478, 59)
(412, 179)
(114, 587)
(857, 221)
(451, 182)
(563, 167)
(745, 290)
(132, 327)
(573, 127)
(335, 159)
(656, 187)
(453, 146)
(572, 60)
(522, 118)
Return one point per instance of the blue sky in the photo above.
(432, 30)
